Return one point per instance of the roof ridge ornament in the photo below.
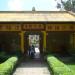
(33, 8)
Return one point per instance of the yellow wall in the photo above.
(49, 27)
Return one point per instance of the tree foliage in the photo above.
(69, 5)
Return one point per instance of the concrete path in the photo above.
(32, 68)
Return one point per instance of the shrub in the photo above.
(58, 67)
(7, 67)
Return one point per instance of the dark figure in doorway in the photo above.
(31, 51)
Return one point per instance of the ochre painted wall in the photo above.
(58, 41)
(54, 35)
(10, 41)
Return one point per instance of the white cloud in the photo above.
(16, 5)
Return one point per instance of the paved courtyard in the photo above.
(32, 68)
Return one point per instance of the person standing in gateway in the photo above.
(31, 51)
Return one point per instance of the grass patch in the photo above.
(72, 67)
(70, 62)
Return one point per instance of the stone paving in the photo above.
(32, 68)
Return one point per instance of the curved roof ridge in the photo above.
(72, 13)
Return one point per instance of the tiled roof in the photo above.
(36, 16)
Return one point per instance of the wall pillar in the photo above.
(72, 43)
(44, 41)
(22, 41)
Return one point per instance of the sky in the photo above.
(26, 5)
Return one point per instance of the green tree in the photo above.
(69, 5)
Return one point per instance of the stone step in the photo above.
(32, 68)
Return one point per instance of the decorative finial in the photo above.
(33, 9)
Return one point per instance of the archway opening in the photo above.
(34, 42)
